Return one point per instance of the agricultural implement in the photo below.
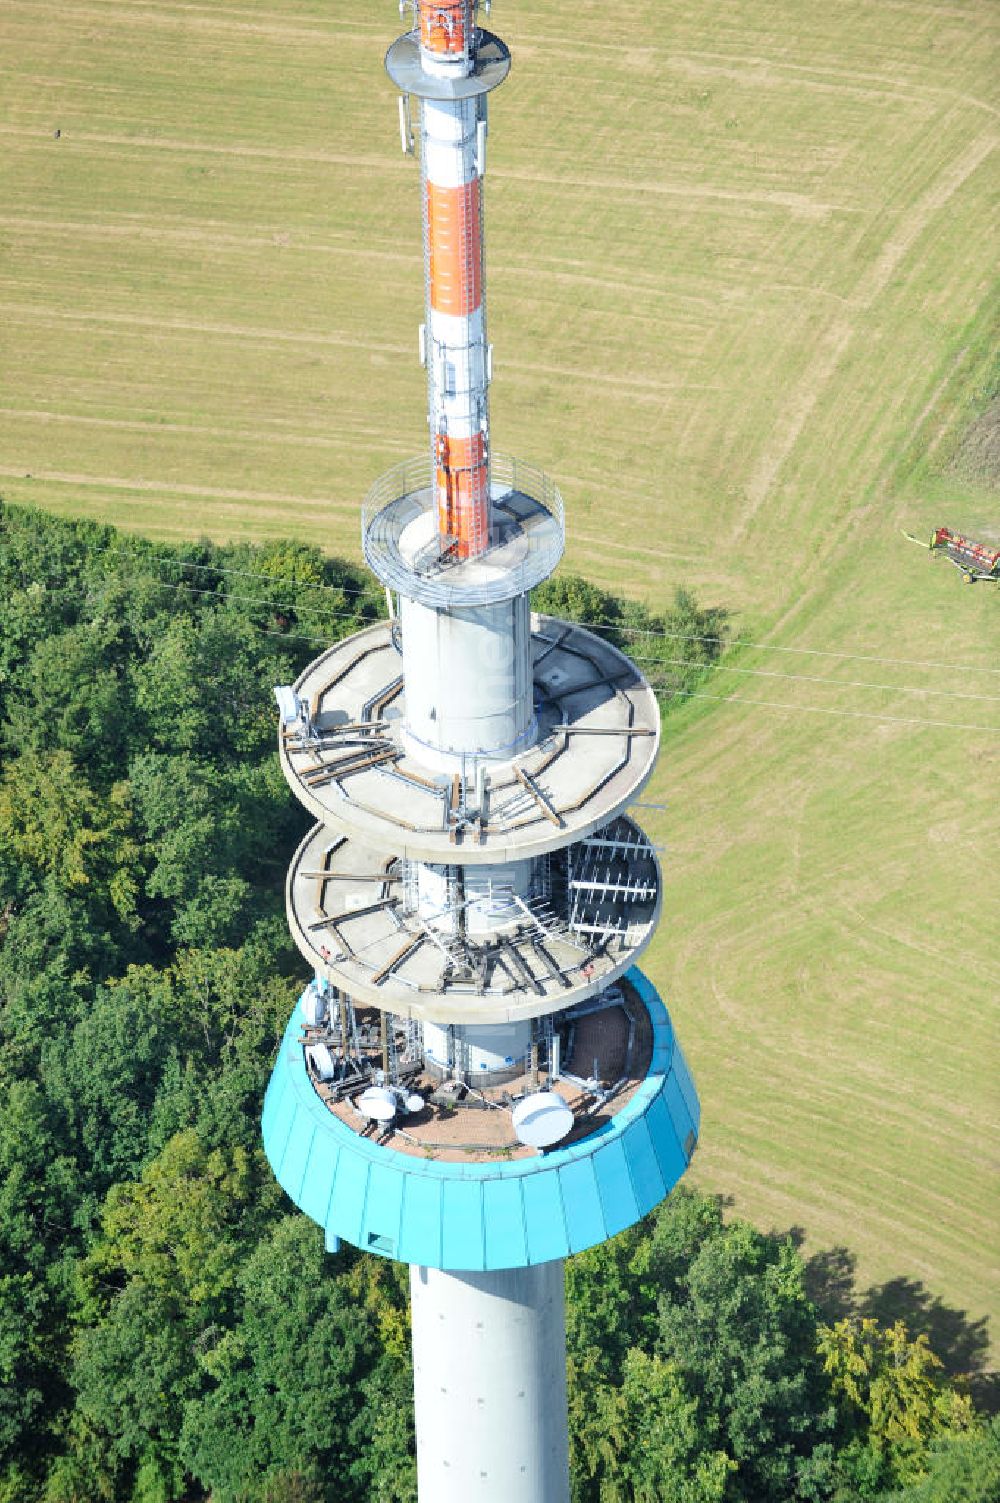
(973, 560)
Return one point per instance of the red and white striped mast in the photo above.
(452, 158)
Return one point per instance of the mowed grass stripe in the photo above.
(784, 1201)
(114, 483)
(164, 516)
(890, 1181)
(237, 24)
(322, 440)
(873, 1006)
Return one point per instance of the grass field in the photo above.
(741, 271)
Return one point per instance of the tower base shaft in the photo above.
(489, 1380)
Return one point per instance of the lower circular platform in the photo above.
(501, 1213)
(355, 924)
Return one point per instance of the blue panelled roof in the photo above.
(483, 1215)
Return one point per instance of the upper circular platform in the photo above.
(402, 546)
(491, 64)
(598, 736)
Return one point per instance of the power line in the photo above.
(290, 636)
(688, 693)
(638, 631)
(590, 625)
(830, 683)
(274, 605)
(851, 657)
(669, 690)
(678, 662)
(185, 585)
(627, 631)
(183, 563)
(957, 725)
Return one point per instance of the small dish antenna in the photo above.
(321, 1060)
(378, 1104)
(313, 1005)
(542, 1119)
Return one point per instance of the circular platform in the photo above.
(491, 65)
(599, 732)
(402, 545)
(478, 1215)
(348, 912)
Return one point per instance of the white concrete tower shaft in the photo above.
(489, 1349)
(489, 1383)
(468, 682)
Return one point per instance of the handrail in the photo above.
(522, 554)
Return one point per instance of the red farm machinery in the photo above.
(975, 561)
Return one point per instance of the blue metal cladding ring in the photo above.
(483, 1215)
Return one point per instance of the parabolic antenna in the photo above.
(415, 1102)
(313, 1006)
(378, 1104)
(541, 1119)
(321, 1060)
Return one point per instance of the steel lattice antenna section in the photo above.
(478, 1080)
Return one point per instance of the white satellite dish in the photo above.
(289, 704)
(415, 1102)
(313, 1006)
(321, 1060)
(542, 1119)
(378, 1104)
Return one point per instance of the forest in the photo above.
(171, 1329)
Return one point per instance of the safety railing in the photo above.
(527, 535)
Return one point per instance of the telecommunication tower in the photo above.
(478, 1081)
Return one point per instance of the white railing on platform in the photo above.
(528, 532)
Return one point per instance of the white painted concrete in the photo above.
(489, 1379)
(468, 681)
(482, 1051)
(489, 895)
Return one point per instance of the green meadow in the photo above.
(742, 291)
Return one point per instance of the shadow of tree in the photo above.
(962, 1343)
(830, 1282)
